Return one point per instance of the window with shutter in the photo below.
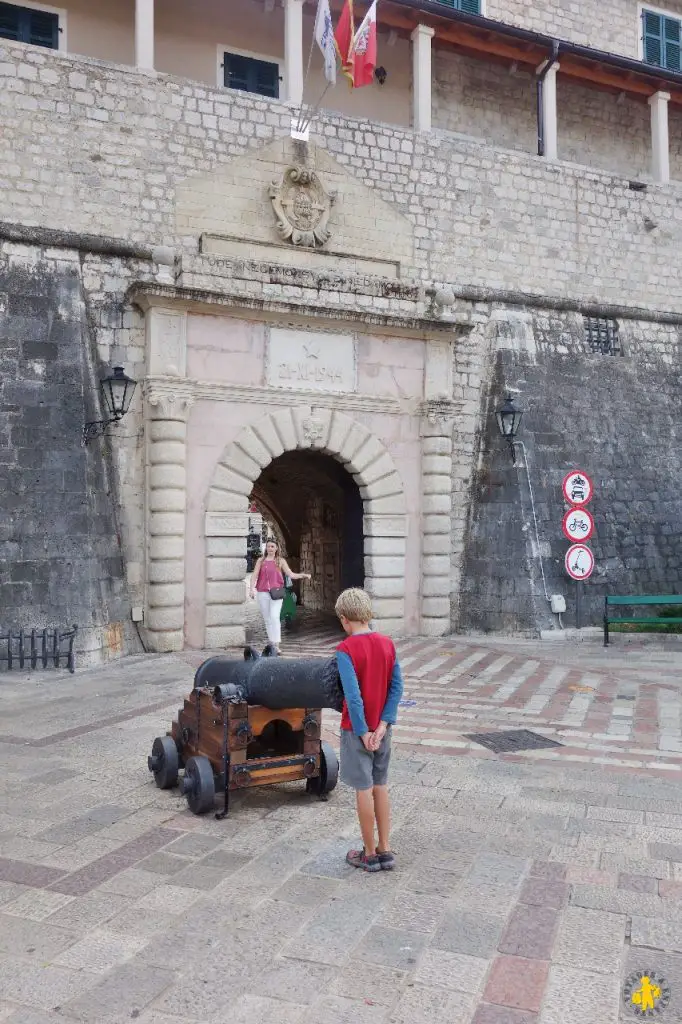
(251, 75)
(9, 22)
(662, 40)
(44, 29)
(468, 6)
(27, 25)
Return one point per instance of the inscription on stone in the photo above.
(311, 361)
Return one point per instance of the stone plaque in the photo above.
(311, 361)
(226, 524)
(166, 343)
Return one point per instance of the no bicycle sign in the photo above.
(578, 524)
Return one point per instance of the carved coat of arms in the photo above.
(302, 207)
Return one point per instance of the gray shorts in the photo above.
(361, 768)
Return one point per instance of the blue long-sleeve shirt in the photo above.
(351, 691)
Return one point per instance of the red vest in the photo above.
(373, 657)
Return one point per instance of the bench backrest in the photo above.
(645, 599)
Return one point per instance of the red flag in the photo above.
(345, 32)
(364, 49)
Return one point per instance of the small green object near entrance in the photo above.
(651, 621)
(288, 613)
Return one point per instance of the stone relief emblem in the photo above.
(313, 430)
(302, 207)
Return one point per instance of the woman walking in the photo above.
(267, 583)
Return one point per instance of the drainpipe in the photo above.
(540, 82)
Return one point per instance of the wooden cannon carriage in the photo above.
(225, 743)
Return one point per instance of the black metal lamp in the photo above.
(508, 421)
(117, 394)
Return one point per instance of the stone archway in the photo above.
(242, 462)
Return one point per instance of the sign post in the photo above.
(578, 527)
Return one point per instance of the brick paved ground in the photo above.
(529, 887)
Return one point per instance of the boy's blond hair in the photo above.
(354, 604)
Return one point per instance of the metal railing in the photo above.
(38, 648)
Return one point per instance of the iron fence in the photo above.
(38, 648)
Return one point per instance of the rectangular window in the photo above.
(468, 6)
(602, 335)
(661, 40)
(251, 75)
(27, 25)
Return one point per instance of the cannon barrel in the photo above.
(273, 682)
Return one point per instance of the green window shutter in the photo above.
(652, 38)
(251, 75)
(468, 6)
(266, 78)
(236, 72)
(10, 27)
(43, 29)
(671, 35)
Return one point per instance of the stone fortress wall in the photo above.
(153, 160)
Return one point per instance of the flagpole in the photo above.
(314, 110)
(299, 126)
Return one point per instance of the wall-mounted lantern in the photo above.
(508, 421)
(117, 394)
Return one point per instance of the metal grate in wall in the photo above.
(602, 335)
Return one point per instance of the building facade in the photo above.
(322, 322)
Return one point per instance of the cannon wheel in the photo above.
(164, 762)
(329, 772)
(199, 785)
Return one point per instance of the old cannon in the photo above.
(251, 722)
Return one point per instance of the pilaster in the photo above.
(166, 498)
(437, 421)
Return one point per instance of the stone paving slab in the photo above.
(527, 889)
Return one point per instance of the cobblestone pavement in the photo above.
(529, 890)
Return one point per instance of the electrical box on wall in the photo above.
(557, 603)
(137, 613)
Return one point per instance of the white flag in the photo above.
(324, 37)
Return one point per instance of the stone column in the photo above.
(144, 34)
(293, 50)
(166, 508)
(660, 145)
(421, 77)
(549, 114)
(436, 437)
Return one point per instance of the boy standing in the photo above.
(372, 685)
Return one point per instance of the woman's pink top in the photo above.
(269, 576)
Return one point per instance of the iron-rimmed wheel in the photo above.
(329, 767)
(326, 781)
(198, 785)
(164, 762)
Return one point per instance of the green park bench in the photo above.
(611, 601)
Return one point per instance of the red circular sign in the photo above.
(578, 524)
(579, 562)
(577, 487)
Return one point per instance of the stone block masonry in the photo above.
(60, 558)
(615, 416)
(102, 150)
(105, 149)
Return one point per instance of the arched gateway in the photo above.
(241, 464)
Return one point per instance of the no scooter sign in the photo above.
(578, 524)
(579, 562)
(577, 487)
